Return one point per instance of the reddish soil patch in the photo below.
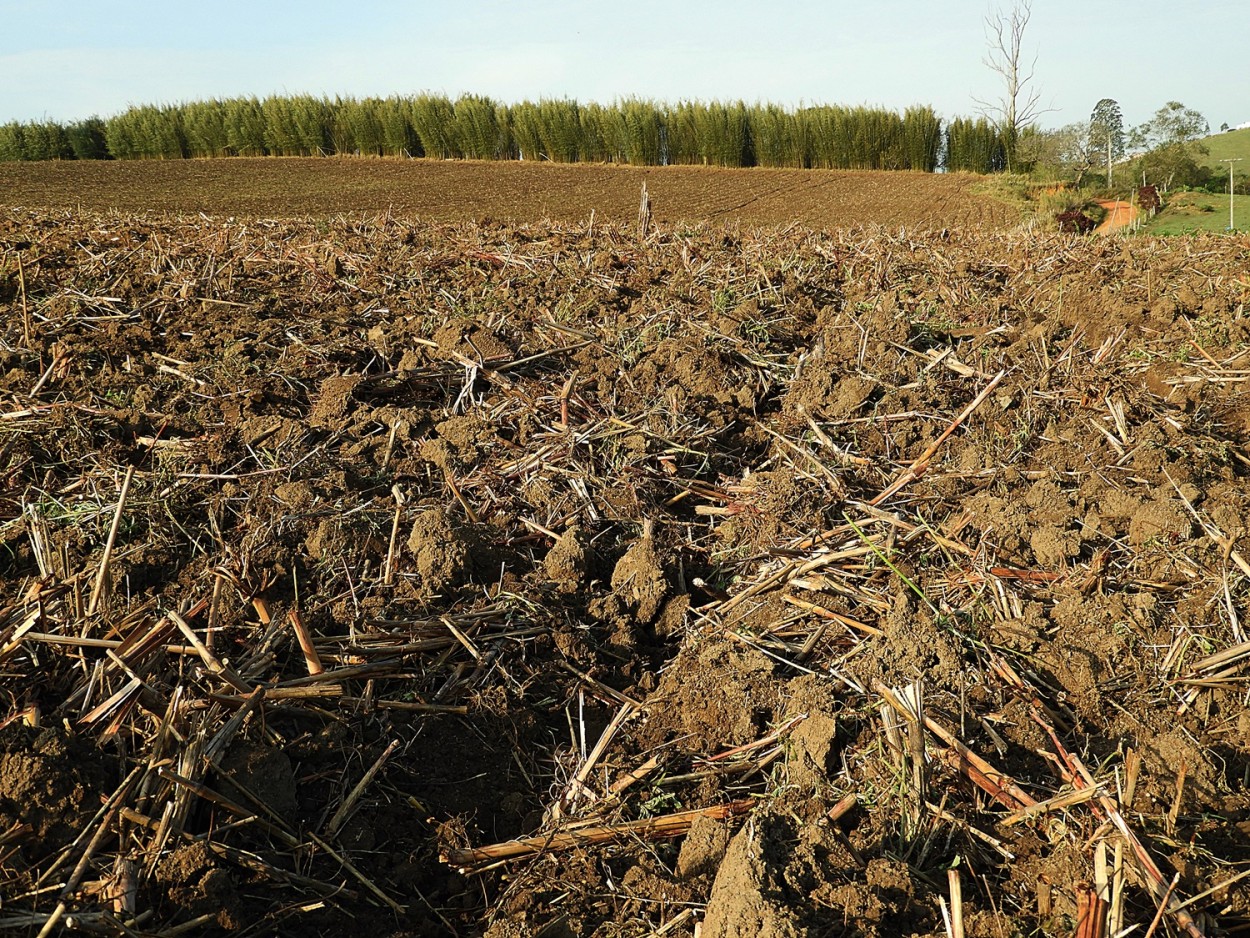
(1119, 215)
(543, 580)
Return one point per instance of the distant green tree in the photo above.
(1172, 123)
(974, 146)
(774, 134)
(1106, 132)
(922, 138)
(399, 138)
(560, 130)
(281, 134)
(45, 140)
(596, 133)
(475, 128)
(359, 126)
(147, 132)
(1061, 154)
(86, 139)
(527, 130)
(312, 125)
(640, 133)
(204, 123)
(432, 117)
(245, 127)
(12, 142)
(1171, 141)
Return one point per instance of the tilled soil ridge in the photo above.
(522, 580)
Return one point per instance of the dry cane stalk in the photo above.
(311, 658)
(1116, 919)
(80, 869)
(388, 576)
(108, 547)
(1163, 906)
(921, 463)
(57, 358)
(1000, 786)
(210, 660)
(350, 801)
(842, 807)
(1101, 886)
(1077, 775)
(360, 877)
(957, 903)
(578, 785)
(610, 692)
(1091, 913)
(658, 828)
(21, 285)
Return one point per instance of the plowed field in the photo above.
(509, 191)
(376, 576)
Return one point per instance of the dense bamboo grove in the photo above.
(639, 132)
(974, 146)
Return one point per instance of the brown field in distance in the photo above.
(506, 191)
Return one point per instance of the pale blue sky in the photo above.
(66, 60)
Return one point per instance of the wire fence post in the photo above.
(1230, 163)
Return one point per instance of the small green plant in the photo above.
(724, 299)
(660, 803)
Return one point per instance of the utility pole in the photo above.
(1230, 189)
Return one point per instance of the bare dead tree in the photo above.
(1019, 104)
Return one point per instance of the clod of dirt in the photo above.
(296, 496)
(639, 579)
(775, 506)
(334, 402)
(195, 880)
(912, 646)
(824, 393)
(443, 551)
(715, 696)
(266, 773)
(1161, 518)
(565, 563)
(458, 443)
(1169, 755)
(1053, 546)
(673, 616)
(885, 904)
(48, 782)
(811, 747)
(704, 848)
(749, 897)
(470, 340)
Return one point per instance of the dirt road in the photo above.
(1119, 215)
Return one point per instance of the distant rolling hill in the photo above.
(1229, 145)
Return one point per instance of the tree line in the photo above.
(634, 131)
(1166, 151)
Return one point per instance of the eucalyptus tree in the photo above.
(1106, 132)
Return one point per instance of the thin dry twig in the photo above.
(657, 828)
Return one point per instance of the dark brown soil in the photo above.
(583, 530)
(457, 191)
